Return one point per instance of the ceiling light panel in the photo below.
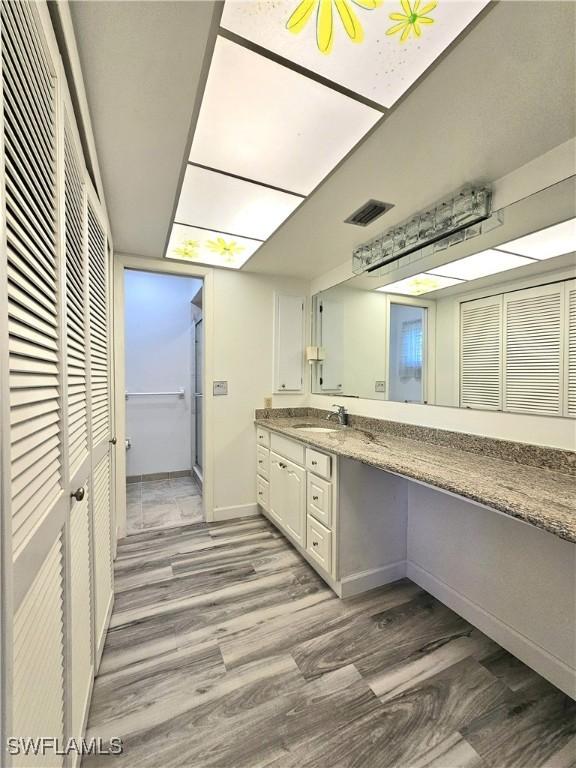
(419, 284)
(225, 204)
(270, 124)
(203, 246)
(375, 49)
(547, 243)
(481, 264)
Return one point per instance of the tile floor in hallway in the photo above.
(226, 649)
(160, 503)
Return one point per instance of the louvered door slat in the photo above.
(99, 334)
(39, 659)
(102, 543)
(76, 342)
(533, 350)
(29, 89)
(481, 354)
(571, 350)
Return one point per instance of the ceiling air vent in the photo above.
(368, 213)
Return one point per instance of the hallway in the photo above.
(226, 649)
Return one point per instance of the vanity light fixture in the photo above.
(481, 264)
(419, 284)
(267, 123)
(546, 243)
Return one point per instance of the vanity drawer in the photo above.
(263, 437)
(319, 543)
(262, 492)
(318, 463)
(319, 499)
(263, 461)
(287, 448)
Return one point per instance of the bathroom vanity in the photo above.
(490, 536)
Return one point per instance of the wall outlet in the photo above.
(267, 402)
(219, 388)
(380, 386)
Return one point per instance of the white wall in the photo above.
(158, 353)
(242, 344)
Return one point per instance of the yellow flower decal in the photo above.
(223, 248)
(411, 19)
(188, 249)
(325, 19)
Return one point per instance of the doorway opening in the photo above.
(164, 364)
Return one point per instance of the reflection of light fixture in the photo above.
(547, 243)
(265, 122)
(227, 204)
(204, 246)
(377, 66)
(480, 265)
(419, 284)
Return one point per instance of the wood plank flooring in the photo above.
(226, 650)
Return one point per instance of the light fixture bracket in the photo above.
(454, 217)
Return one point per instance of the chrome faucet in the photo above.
(341, 414)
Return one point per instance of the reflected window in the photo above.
(406, 353)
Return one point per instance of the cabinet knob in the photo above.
(259, 493)
(113, 441)
(314, 498)
(314, 543)
(78, 494)
(260, 461)
(314, 463)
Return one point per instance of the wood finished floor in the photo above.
(225, 649)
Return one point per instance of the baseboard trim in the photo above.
(230, 513)
(550, 667)
(375, 577)
(102, 638)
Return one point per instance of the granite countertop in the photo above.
(542, 497)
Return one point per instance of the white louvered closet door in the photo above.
(100, 419)
(570, 350)
(533, 342)
(481, 353)
(35, 498)
(79, 559)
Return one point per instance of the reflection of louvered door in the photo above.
(100, 418)
(80, 624)
(533, 338)
(481, 353)
(570, 350)
(35, 498)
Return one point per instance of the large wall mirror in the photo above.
(487, 324)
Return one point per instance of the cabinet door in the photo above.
(294, 518)
(277, 488)
(289, 344)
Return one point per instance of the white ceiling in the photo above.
(503, 96)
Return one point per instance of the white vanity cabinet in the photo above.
(347, 520)
(294, 498)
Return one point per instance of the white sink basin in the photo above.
(316, 429)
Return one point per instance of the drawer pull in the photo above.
(314, 543)
(260, 461)
(282, 466)
(260, 493)
(314, 463)
(314, 498)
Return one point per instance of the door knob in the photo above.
(113, 441)
(78, 494)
